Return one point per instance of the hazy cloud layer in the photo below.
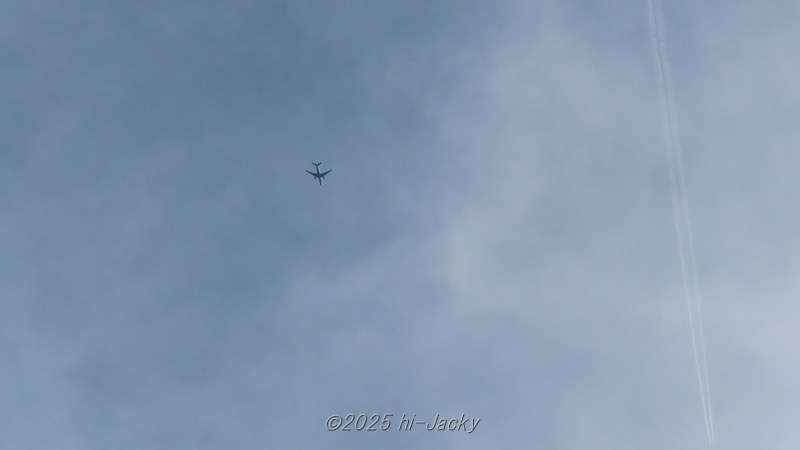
(496, 238)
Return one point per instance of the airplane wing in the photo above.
(312, 173)
(325, 173)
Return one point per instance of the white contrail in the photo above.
(680, 210)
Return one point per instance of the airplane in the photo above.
(318, 176)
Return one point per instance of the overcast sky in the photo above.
(496, 238)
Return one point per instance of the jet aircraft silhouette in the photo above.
(318, 176)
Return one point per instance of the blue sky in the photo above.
(496, 238)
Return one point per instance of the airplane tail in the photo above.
(316, 164)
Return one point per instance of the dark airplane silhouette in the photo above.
(318, 176)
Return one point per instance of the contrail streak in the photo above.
(680, 210)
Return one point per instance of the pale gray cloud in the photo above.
(496, 238)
